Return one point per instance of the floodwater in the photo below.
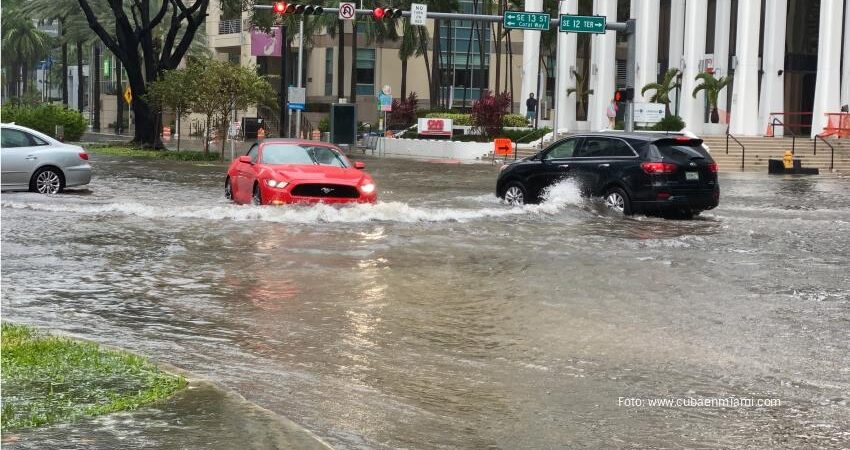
(440, 318)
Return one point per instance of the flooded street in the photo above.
(440, 318)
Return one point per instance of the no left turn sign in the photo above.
(346, 10)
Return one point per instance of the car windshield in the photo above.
(302, 154)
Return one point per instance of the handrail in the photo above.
(831, 148)
(743, 149)
(775, 122)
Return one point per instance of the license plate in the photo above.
(692, 176)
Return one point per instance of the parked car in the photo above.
(33, 161)
(632, 172)
(281, 171)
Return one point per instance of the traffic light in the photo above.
(297, 8)
(386, 13)
(624, 95)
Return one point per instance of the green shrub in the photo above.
(669, 123)
(457, 119)
(45, 117)
(525, 136)
(325, 124)
(514, 120)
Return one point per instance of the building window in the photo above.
(329, 71)
(365, 71)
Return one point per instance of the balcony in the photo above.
(232, 26)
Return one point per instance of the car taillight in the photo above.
(658, 167)
(712, 167)
(84, 155)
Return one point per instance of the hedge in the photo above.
(510, 120)
(45, 117)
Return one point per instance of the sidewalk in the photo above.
(201, 416)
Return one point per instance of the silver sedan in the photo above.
(36, 162)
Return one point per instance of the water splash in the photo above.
(556, 199)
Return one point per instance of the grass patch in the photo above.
(154, 154)
(48, 379)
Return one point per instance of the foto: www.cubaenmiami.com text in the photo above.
(698, 402)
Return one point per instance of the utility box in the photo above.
(343, 123)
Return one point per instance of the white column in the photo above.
(677, 42)
(692, 110)
(566, 104)
(845, 74)
(603, 70)
(772, 98)
(745, 93)
(722, 23)
(645, 13)
(530, 58)
(827, 86)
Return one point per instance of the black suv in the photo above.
(632, 172)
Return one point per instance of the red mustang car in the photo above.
(281, 171)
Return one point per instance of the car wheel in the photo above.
(47, 180)
(618, 200)
(515, 194)
(228, 189)
(257, 197)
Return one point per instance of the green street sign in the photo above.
(582, 24)
(521, 20)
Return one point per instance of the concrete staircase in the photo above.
(760, 149)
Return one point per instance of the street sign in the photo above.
(582, 24)
(418, 13)
(347, 10)
(297, 98)
(128, 95)
(649, 112)
(385, 102)
(521, 20)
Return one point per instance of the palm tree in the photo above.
(712, 87)
(668, 84)
(581, 91)
(414, 42)
(336, 29)
(23, 46)
(436, 54)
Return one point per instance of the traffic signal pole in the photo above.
(284, 111)
(627, 28)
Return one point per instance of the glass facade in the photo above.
(463, 66)
(329, 71)
(365, 71)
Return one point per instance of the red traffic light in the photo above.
(279, 8)
(378, 13)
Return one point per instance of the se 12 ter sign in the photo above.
(432, 126)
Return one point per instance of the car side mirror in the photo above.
(245, 159)
(359, 165)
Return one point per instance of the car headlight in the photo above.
(276, 184)
(368, 188)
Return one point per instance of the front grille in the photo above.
(325, 190)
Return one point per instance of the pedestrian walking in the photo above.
(531, 108)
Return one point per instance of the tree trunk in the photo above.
(510, 73)
(340, 61)
(428, 71)
(353, 85)
(207, 137)
(80, 84)
(96, 91)
(436, 78)
(404, 78)
(119, 98)
(483, 82)
(64, 65)
(715, 115)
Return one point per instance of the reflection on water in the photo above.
(442, 318)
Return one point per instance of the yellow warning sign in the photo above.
(128, 95)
